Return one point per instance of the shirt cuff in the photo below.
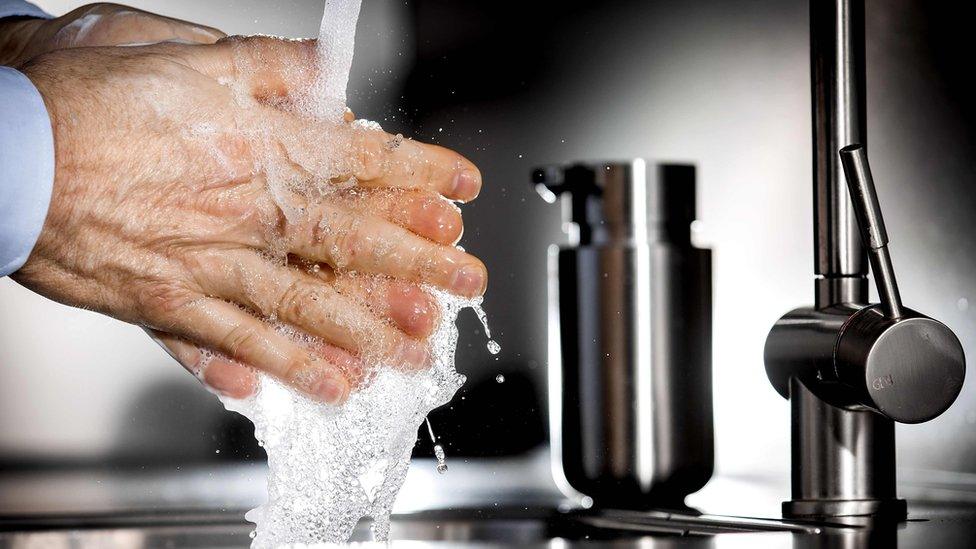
(26, 168)
(17, 8)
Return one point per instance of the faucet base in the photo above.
(894, 509)
(843, 460)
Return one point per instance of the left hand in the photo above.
(100, 24)
(105, 24)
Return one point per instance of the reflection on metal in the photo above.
(180, 510)
(514, 527)
(852, 369)
(629, 336)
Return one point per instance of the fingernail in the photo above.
(332, 390)
(414, 356)
(230, 379)
(467, 185)
(469, 280)
(448, 227)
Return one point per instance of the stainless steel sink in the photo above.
(495, 527)
(495, 503)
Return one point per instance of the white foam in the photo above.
(329, 466)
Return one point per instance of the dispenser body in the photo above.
(631, 308)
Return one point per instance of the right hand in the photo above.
(161, 213)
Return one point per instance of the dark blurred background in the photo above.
(512, 85)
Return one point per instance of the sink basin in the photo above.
(929, 525)
(494, 527)
(479, 504)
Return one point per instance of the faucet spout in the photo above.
(838, 94)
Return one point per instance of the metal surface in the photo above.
(944, 526)
(100, 509)
(850, 368)
(910, 369)
(845, 463)
(837, 78)
(631, 401)
(867, 208)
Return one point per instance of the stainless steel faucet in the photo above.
(851, 369)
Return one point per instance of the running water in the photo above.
(493, 346)
(331, 466)
(337, 36)
(439, 454)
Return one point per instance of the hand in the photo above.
(95, 25)
(191, 197)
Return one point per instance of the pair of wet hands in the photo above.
(194, 196)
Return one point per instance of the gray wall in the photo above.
(722, 84)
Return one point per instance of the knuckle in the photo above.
(348, 241)
(293, 302)
(370, 158)
(321, 230)
(161, 299)
(240, 340)
(423, 262)
(428, 173)
(296, 371)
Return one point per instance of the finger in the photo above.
(327, 153)
(383, 160)
(305, 302)
(282, 72)
(225, 328)
(225, 376)
(406, 305)
(112, 25)
(422, 213)
(351, 242)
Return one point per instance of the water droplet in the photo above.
(962, 304)
(493, 347)
(500, 378)
(441, 459)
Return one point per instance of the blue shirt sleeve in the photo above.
(15, 8)
(26, 168)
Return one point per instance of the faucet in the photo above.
(849, 368)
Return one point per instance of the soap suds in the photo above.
(330, 466)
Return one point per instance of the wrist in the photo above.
(16, 34)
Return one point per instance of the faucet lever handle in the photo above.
(867, 209)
